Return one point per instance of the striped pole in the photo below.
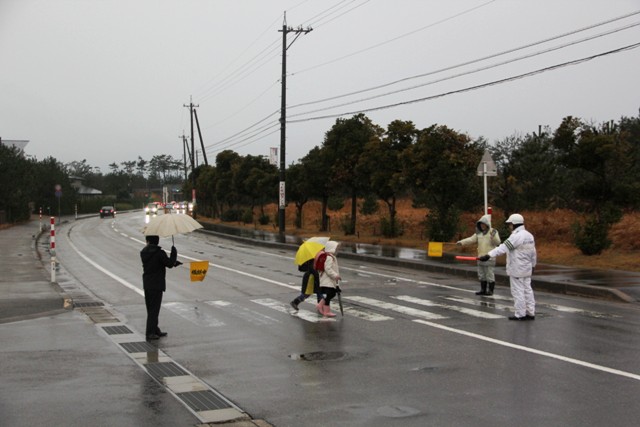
(53, 249)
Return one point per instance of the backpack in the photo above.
(306, 266)
(319, 260)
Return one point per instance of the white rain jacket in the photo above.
(520, 248)
(329, 277)
(486, 241)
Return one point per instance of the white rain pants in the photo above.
(522, 295)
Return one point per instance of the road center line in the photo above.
(532, 350)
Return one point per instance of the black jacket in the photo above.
(154, 263)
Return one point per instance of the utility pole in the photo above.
(204, 154)
(184, 154)
(283, 117)
(193, 164)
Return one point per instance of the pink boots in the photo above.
(324, 309)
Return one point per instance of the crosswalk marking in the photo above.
(480, 303)
(395, 307)
(360, 314)
(192, 314)
(561, 308)
(284, 308)
(428, 303)
(243, 312)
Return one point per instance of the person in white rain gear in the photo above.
(329, 279)
(520, 248)
(486, 238)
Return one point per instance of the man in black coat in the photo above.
(154, 264)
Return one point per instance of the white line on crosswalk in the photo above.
(284, 308)
(192, 314)
(479, 302)
(429, 303)
(360, 314)
(395, 307)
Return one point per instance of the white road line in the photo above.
(429, 303)
(395, 307)
(360, 314)
(480, 303)
(532, 350)
(107, 272)
(192, 314)
(244, 313)
(284, 308)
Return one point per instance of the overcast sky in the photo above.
(105, 80)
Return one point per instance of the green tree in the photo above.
(381, 164)
(344, 143)
(441, 170)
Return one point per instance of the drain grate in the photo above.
(88, 304)
(115, 330)
(203, 400)
(165, 369)
(138, 347)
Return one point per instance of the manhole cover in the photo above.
(318, 355)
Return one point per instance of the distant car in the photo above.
(107, 211)
(152, 208)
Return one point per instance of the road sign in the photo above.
(487, 166)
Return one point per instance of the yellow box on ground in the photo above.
(435, 249)
(198, 270)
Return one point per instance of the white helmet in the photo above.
(515, 219)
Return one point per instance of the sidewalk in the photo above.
(59, 367)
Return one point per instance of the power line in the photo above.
(472, 61)
(471, 88)
(394, 39)
(487, 67)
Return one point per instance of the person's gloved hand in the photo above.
(484, 258)
(459, 243)
(178, 263)
(174, 251)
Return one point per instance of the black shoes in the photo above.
(156, 336)
(294, 305)
(527, 317)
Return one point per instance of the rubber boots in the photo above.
(320, 307)
(483, 289)
(328, 312)
(491, 286)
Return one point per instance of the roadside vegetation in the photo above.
(578, 185)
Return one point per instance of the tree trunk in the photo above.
(325, 219)
(354, 211)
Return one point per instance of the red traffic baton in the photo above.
(466, 258)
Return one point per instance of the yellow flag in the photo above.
(199, 270)
(435, 249)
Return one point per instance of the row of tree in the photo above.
(591, 168)
(29, 184)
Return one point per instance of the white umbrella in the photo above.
(170, 225)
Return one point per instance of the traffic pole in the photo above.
(53, 249)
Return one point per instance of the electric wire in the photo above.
(475, 87)
(393, 39)
(487, 67)
(470, 62)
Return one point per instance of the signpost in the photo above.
(487, 167)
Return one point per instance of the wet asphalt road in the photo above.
(413, 348)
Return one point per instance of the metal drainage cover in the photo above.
(88, 304)
(115, 330)
(164, 369)
(138, 347)
(318, 355)
(203, 400)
